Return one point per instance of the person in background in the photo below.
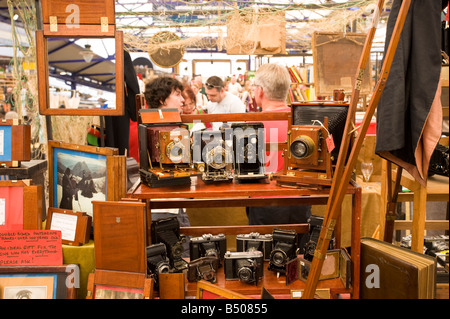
(221, 101)
(234, 87)
(201, 99)
(190, 107)
(164, 92)
(247, 96)
(271, 85)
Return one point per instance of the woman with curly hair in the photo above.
(164, 92)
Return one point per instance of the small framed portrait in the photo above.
(80, 174)
(39, 282)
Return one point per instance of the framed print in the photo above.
(15, 145)
(20, 205)
(75, 226)
(39, 282)
(80, 74)
(119, 285)
(207, 290)
(80, 174)
(28, 286)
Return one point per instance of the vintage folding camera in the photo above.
(208, 245)
(249, 151)
(315, 226)
(244, 266)
(255, 242)
(164, 148)
(203, 268)
(313, 144)
(167, 231)
(215, 150)
(157, 261)
(284, 249)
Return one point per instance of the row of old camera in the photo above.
(207, 252)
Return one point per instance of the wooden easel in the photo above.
(344, 170)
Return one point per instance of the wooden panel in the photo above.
(78, 11)
(336, 56)
(171, 286)
(119, 232)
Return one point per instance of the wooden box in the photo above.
(20, 205)
(119, 233)
(75, 226)
(60, 16)
(15, 143)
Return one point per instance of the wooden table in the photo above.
(200, 194)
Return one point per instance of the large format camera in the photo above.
(249, 151)
(215, 150)
(315, 226)
(244, 266)
(167, 231)
(208, 245)
(157, 261)
(255, 242)
(310, 153)
(284, 249)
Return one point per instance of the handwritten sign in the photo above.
(30, 248)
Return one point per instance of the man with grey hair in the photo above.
(271, 86)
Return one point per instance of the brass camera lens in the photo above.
(175, 150)
(302, 147)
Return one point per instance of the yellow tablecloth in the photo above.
(84, 256)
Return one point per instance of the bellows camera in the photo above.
(208, 245)
(249, 151)
(215, 150)
(164, 148)
(157, 261)
(255, 242)
(167, 231)
(315, 226)
(244, 266)
(314, 141)
(284, 249)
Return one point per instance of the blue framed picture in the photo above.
(80, 174)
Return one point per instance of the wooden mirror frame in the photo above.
(43, 76)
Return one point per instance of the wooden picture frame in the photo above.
(335, 59)
(104, 284)
(120, 236)
(105, 74)
(108, 169)
(75, 226)
(207, 290)
(38, 282)
(20, 205)
(15, 142)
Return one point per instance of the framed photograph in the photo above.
(119, 285)
(20, 205)
(15, 145)
(38, 282)
(80, 174)
(75, 226)
(207, 290)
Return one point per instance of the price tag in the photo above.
(330, 143)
